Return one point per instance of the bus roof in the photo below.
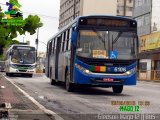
(18, 45)
(75, 21)
(106, 16)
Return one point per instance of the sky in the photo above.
(48, 11)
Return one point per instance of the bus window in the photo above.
(59, 40)
(47, 48)
(62, 43)
(68, 37)
(53, 42)
(69, 44)
(64, 36)
(14, 56)
(92, 43)
(65, 42)
(50, 47)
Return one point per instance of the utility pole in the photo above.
(74, 9)
(23, 39)
(37, 44)
(125, 5)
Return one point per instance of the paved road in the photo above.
(89, 100)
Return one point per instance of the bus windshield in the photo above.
(99, 44)
(23, 56)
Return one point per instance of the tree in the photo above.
(9, 32)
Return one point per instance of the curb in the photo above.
(41, 107)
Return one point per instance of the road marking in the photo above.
(47, 111)
(8, 105)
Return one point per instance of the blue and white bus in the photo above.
(95, 51)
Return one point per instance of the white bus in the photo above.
(20, 59)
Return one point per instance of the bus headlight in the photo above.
(130, 71)
(84, 70)
(13, 66)
(32, 67)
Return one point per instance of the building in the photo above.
(125, 7)
(70, 9)
(142, 13)
(40, 62)
(146, 12)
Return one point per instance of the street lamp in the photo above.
(74, 9)
(23, 39)
(37, 39)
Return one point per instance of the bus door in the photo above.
(58, 47)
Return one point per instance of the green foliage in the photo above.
(1, 14)
(32, 23)
(10, 42)
(6, 44)
(13, 1)
(8, 33)
(1, 57)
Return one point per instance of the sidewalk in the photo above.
(149, 80)
(15, 105)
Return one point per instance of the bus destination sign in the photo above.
(107, 22)
(23, 48)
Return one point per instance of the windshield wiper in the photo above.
(100, 37)
(115, 40)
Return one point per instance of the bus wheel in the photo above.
(117, 89)
(53, 82)
(9, 74)
(69, 85)
(30, 75)
(6, 74)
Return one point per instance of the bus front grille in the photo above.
(106, 62)
(22, 70)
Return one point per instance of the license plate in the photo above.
(108, 79)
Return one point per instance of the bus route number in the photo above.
(120, 69)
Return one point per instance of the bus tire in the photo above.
(53, 82)
(30, 75)
(9, 74)
(117, 89)
(6, 74)
(69, 85)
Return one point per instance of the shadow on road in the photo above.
(82, 90)
(20, 75)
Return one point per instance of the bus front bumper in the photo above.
(102, 80)
(27, 71)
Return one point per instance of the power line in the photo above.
(47, 16)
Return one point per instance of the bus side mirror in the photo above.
(11, 53)
(74, 36)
